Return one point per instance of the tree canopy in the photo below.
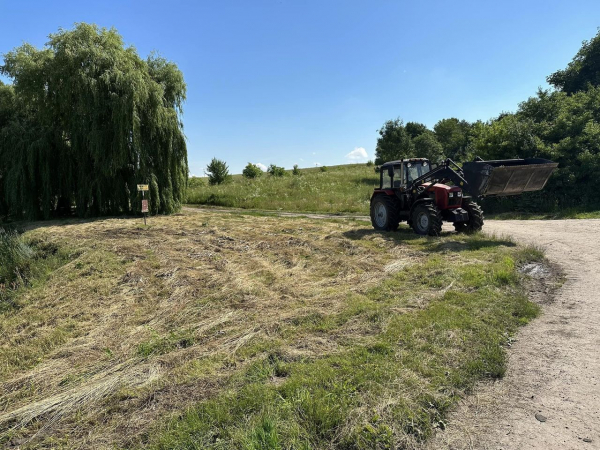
(582, 71)
(394, 142)
(84, 121)
(217, 171)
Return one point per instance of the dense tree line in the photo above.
(561, 124)
(85, 120)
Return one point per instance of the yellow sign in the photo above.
(142, 187)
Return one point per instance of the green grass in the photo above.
(390, 390)
(338, 189)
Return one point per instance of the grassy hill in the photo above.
(339, 189)
(217, 330)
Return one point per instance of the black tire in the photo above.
(426, 220)
(384, 213)
(475, 222)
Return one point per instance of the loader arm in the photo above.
(445, 172)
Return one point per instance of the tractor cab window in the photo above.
(416, 169)
(386, 179)
(397, 176)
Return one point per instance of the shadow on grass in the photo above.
(23, 225)
(433, 244)
(476, 242)
(403, 234)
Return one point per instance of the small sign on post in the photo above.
(143, 188)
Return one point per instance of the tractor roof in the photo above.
(399, 161)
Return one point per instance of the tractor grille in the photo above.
(455, 200)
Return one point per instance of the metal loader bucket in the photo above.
(507, 177)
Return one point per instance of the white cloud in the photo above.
(358, 154)
(261, 167)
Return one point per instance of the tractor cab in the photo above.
(398, 174)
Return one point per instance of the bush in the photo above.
(15, 256)
(196, 182)
(217, 172)
(323, 168)
(276, 171)
(296, 170)
(369, 163)
(252, 171)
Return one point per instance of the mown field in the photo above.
(216, 330)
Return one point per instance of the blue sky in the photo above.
(308, 82)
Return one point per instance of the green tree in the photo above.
(393, 143)
(582, 71)
(415, 129)
(554, 125)
(217, 171)
(276, 171)
(296, 170)
(88, 120)
(454, 135)
(427, 146)
(252, 171)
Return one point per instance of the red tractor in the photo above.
(424, 194)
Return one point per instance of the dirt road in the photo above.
(550, 397)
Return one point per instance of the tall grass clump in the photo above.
(15, 256)
(25, 262)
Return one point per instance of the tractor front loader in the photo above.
(425, 195)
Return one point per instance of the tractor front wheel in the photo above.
(475, 222)
(426, 220)
(384, 213)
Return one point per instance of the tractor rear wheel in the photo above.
(475, 222)
(426, 220)
(384, 213)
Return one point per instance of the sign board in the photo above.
(144, 206)
(142, 187)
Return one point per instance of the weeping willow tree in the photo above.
(86, 120)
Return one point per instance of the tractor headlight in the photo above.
(459, 194)
(451, 194)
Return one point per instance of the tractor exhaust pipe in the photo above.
(507, 177)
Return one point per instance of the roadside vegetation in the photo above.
(338, 189)
(217, 330)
